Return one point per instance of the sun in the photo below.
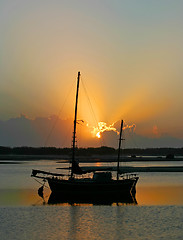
(98, 135)
(102, 127)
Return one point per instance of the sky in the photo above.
(129, 54)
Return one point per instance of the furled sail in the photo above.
(76, 168)
(35, 172)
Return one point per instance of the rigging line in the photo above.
(94, 116)
(66, 138)
(59, 113)
(43, 184)
(84, 87)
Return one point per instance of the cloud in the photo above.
(155, 130)
(53, 131)
(38, 132)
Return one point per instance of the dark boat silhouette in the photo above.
(101, 186)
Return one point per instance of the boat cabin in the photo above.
(102, 176)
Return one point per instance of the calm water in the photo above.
(92, 222)
(158, 213)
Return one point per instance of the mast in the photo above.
(119, 148)
(75, 122)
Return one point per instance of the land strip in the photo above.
(87, 159)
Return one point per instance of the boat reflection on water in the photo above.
(122, 200)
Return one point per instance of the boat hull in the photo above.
(91, 189)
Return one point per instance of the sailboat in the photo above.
(102, 185)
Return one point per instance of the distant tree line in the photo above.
(90, 151)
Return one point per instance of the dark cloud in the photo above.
(53, 131)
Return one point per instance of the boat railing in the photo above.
(83, 176)
(128, 175)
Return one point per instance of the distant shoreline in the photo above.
(101, 153)
(87, 159)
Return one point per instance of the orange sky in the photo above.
(129, 54)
